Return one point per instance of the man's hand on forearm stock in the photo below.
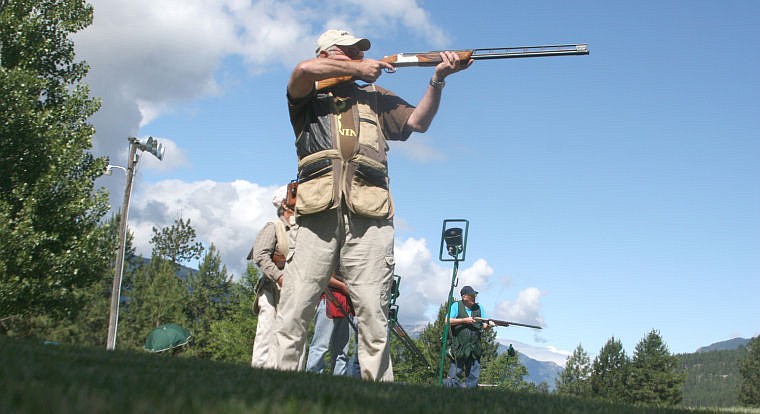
(450, 63)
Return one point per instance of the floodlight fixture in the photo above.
(454, 237)
(152, 146)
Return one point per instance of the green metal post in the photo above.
(446, 319)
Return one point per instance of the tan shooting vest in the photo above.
(329, 170)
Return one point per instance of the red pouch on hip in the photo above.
(339, 305)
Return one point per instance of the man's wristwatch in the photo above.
(437, 84)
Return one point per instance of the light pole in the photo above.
(154, 147)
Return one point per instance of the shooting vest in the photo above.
(278, 257)
(342, 155)
(466, 342)
(281, 237)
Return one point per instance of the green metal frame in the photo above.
(460, 256)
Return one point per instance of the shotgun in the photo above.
(505, 323)
(401, 60)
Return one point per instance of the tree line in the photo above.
(651, 377)
(655, 377)
(216, 309)
(712, 378)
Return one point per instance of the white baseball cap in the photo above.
(334, 37)
(279, 196)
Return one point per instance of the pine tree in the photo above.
(407, 365)
(609, 372)
(489, 347)
(210, 298)
(231, 338)
(158, 297)
(749, 367)
(430, 342)
(52, 243)
(507, 372)
(654, 377)
(177, 242)
(576, 377)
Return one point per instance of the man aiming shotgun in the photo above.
(401, 60)
(344, 208)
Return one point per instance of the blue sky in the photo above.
(607, 195)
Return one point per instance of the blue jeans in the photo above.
(332, 334)
(463, 374)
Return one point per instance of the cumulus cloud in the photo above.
(226, 214)
(174, 157)
(526, 308)
(425, 283)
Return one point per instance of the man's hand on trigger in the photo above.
(371, 69)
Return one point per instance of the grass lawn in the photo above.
(39, 378)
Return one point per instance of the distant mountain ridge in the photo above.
(538, 371)
(712, 374)
(725, 345)
(549, 372)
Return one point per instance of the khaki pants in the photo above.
(361, 249)
(263, 344)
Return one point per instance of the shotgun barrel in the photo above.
(506, 323)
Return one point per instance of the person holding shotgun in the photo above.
(344, 208)
(465, 351)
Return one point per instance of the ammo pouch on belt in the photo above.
(316, 182)
(367, 194)
(464, 347)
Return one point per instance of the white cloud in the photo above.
(174, 157)
(226, 214)
(526, 309)
(425, 284)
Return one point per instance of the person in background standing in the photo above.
(268, 253)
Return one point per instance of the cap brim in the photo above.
(362, 43)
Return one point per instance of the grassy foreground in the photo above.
(39, 378)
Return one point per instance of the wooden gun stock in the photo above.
(401, 60)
